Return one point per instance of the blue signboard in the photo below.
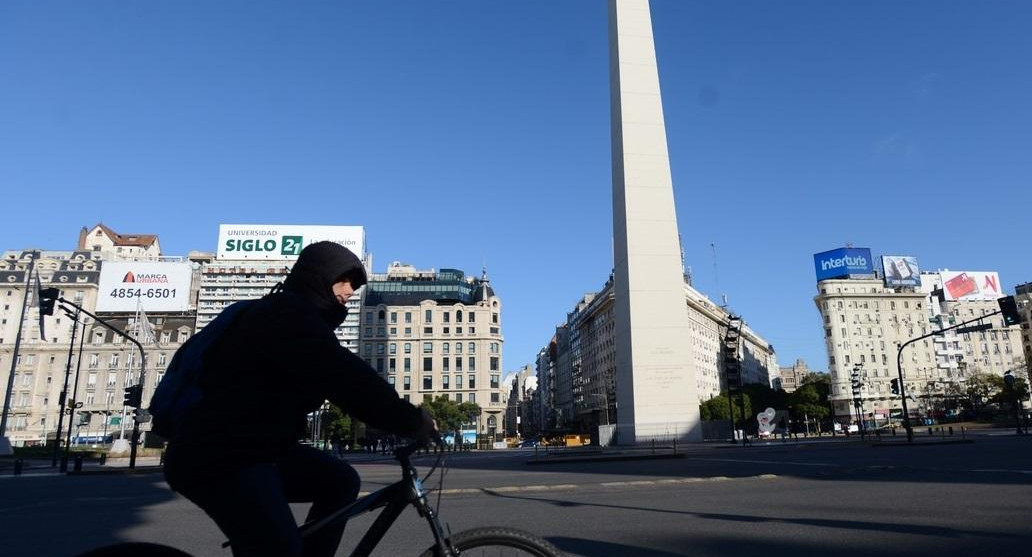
(843, 262)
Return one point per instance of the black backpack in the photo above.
(180, 389)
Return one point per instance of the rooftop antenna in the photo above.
(716, 275)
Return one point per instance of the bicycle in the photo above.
(393, 499)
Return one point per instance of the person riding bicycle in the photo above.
(237, 454)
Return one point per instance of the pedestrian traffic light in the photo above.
(894, 386)
(1009, 309)
(133, 396)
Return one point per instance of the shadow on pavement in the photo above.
(67, 515)
(858, 525)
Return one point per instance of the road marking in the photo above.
(1002, 470)
(570, 487)
(764, 461)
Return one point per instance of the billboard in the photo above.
(971, 285)
(126, 286)
(901, 270)
(843, 262)
(283, 242)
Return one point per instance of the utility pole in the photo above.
(5, 445)
(63, 398)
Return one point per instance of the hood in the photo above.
(319, 266)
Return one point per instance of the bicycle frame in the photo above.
(394, 498)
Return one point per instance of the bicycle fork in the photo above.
(425, 510)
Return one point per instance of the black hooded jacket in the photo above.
(279, 361)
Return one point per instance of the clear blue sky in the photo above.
(461, 132)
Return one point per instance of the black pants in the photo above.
(251, 506)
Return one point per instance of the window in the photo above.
(379, 365)
(390, 380)
(380, 349)
(183, 335)
(458, 363)
(458, 381)
(428, 382)
(428, 330)
(446, 362)
(458, 316)
(392, 365)
(446, 348)
(367, 349)
(472, 363)
(494, 381)
(458, 397)
(393, 349)
(161, 359)
(472, 317)
(408, 331)
(407, 383)
(408, 347)
(381, 315)
(408, 316)
(447, 317)
(494, 397)
(98, 337)
(472, 397)
(494, 363)
(429, 316)
(94, 360)
(369, 317)
(114, 361)
(428, 364)
(428, 347)
(472, 348)
(444, 382)
(394, 317)
(408, 365)
(472, 385)
(458, 348)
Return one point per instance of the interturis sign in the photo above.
(843, 262)
(283, 242)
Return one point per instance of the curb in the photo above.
(605, 458)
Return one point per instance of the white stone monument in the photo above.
(655, 376)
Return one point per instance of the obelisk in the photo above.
(655, 375)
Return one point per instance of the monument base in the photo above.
(119, 447)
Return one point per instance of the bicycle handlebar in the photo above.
(404, 452)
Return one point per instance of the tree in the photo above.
(451, 415)
(807, 401)
(980, 389)
(336, 423)
(716, 408)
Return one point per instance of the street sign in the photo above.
(896, 413)
(115, 420)
(975, 328)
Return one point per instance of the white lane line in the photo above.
(569, 487)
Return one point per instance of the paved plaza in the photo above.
(786, 499)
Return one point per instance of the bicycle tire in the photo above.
(135, 549)
(497, 538)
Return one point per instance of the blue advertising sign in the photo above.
(843, 262)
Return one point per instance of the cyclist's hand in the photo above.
(427, 429)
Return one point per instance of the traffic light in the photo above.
(856, 381)
(133, 396)
(894, 386)
(1009, 309)
(47, 299)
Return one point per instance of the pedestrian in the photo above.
(274, 363)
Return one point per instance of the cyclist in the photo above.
(237, 455)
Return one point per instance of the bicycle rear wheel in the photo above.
(135, 549)
(498, 542)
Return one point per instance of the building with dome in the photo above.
(434, 333)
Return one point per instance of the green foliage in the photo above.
(451, 415)
(336, 422)
(716, 408)
(807, 401)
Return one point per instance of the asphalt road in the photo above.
(780, 499)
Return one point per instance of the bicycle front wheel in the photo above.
(498, 542)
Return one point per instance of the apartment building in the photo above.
(436, 333)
